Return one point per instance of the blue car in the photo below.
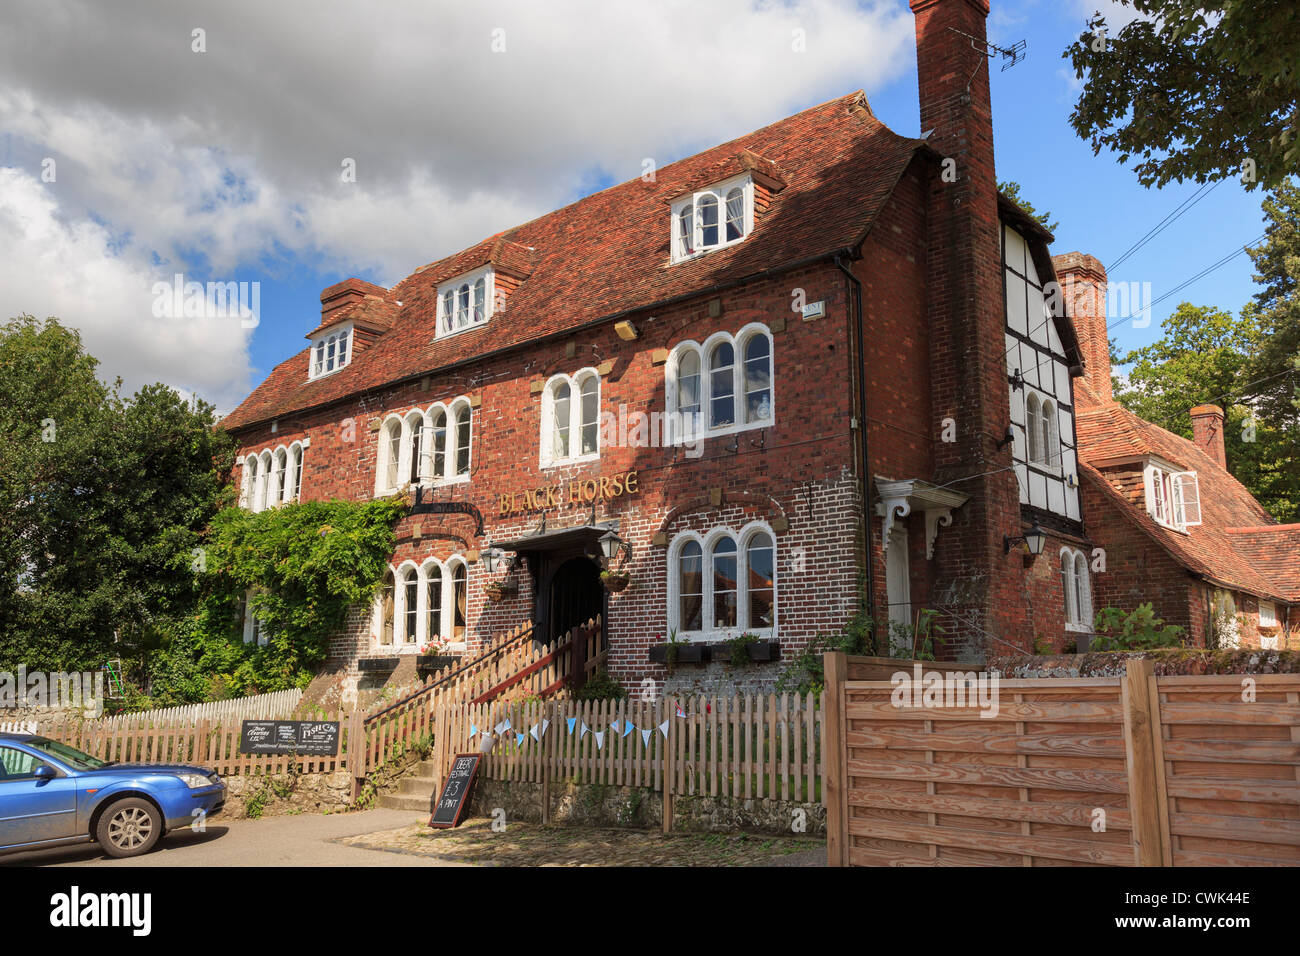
(52, 794)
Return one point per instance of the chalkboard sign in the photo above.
(315, 737)
(446, 813)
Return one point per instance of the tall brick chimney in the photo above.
(1207, 431)
(1083, 284)
(965, 303)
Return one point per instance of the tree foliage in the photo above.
(1194, 89)
(1012, 191)
(103, 500)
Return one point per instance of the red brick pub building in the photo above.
(819, 342)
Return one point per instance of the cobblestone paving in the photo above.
(531, 844)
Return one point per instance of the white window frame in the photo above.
(254, 629)
(745, 183)
(325, 347)
(1076, 580)
(1169, 503)
(448, 324)
(1272, 614)
(681, 431)
(706, 541)
(547, 456)
(403, 641)
(419, 422)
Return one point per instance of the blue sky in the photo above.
(229, 171)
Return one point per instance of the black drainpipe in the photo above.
(864, 466)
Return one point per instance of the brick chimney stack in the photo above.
(1083, 285)
(1207, 431)
(967, 333)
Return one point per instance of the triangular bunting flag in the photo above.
(519, 739)
(663, 729)
(600, 739)
(614, 726)
(645, 737)
(473, 730)
(545, 724)
(533, 731)
(680, 712)
(628, 727)
(585, 730)
(572, 721)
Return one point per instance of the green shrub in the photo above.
(1135, 630)
(602, 687)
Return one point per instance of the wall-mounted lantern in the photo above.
(1035, 540)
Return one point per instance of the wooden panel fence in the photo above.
(1113, 772)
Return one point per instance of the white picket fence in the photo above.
(276, 706)
(17, 726)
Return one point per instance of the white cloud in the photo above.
(229, 160)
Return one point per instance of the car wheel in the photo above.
(129, 827)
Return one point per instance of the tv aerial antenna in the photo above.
(1011, 55)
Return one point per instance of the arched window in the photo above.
(1047, 415)
(249, 482)
(560, 419)
(761, 578)
(462, 439)
(433, 602)
(480, 293)
(414, 434)
(264, 482)
(295, 461)
(410, 605)
(688, 387)
(387, 609)
(390, 455)
(459, 601)
(1033, 431)
(590, 414)
(462, 306)
(758, 379)
(724, 583)
(690, 589)
(330, 353)
(686, 230)
(706, 207)
(448, 310)
(735, 214)
(438, 430)
(722, 385)
(279, 478)
(1077, 588)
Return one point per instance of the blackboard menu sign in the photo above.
(447, 811)
(315, 737)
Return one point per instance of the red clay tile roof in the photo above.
(1217, 548)
(608, 253)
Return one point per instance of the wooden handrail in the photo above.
(476, 662)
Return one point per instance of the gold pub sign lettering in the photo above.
(578, 491)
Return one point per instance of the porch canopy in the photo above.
(561, 539)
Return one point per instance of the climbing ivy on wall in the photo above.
(306, 565)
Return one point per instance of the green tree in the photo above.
(105, 501)
(1273, 372)
(1012, 191)
(1202, 358)
(1194, 89)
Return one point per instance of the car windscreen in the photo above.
(71, 756)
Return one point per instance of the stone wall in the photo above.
(285, 794)
(1174, 660)
(601, 805)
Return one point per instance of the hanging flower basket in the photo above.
(500, 590)
(615, 581)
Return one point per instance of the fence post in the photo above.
(201, 745)
(1140, 759)
(669, 742)
(356, 753)
(835, 775)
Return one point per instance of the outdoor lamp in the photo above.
(610, 543)
(1035, 540)
(492, 560)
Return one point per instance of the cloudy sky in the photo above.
(127, 155)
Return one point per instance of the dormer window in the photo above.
(712, 218)
(465, 302)
(331, 352)
(1173, 497)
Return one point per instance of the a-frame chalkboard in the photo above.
(447, 811)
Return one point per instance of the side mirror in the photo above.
(45, 772)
